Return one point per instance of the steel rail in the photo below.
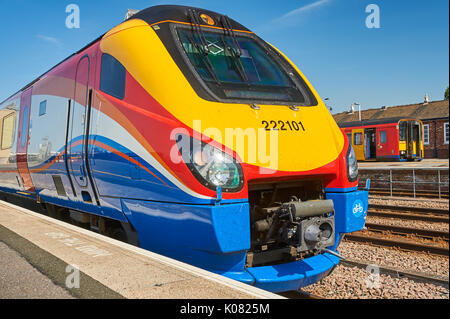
(404, 231)
(422, 217)
(399, 243)
(423, 210)
(386, 191)
(400, 273)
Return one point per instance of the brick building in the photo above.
(434, 115)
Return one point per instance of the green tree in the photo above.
(446, 93)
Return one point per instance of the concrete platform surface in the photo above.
(20, 280)
(107, 268)
(426, 163)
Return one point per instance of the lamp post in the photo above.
(359, 110)
(329, 107)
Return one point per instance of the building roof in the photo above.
(421, 111)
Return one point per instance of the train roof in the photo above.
(178, 13)
(150, 15)
(374, 122)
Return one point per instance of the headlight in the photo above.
(211, 166)
(352, 165)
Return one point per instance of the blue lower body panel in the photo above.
(217, 238)
(209, 236)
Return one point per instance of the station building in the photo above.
(434, 115)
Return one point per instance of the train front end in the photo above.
(260, 184)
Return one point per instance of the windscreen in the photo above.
(238, 67)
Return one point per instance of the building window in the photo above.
(112, 78)
(426, 134)
(357, 139)
(43, 108)
(383, 137)
(446, 137)
(8, 131)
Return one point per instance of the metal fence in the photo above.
(439, 184)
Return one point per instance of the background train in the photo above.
(395, 139)
(118, 139)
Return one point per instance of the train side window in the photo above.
(8, 131)
(43, 108)
(349, 135)
(357, 139)
(383, 137)
(112, 77)
(402, 131)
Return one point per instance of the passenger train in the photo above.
(125, 137)
(392, 139)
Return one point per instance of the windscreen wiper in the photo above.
(202, 48)
(196, 25)
(205, 59)
(236, 50)
(236, 60)
(227, 25)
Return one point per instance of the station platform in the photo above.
(424, 164)
(108, 268)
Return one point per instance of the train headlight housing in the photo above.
(352, 165)
(211, 166)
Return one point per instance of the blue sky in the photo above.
(328, 40)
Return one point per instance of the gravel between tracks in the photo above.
(418, 202)
(351, 283)
(408, 223)
(416, 261)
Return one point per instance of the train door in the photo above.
(370, 143)
(77, 123)
(416, 138)
(23, 138)
(410, 140)
(358, 144)
(77, 133)
(403, 139)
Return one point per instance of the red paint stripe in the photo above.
(130, 159)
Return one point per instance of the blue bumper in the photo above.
(294, 275)
(217, 238)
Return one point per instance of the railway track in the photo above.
(410, 213)
(401, 243)
(401, 273)
(405, 238)
(422, 210)
(406, 231)
(403, 193)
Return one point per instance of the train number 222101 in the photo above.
(283, 126)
